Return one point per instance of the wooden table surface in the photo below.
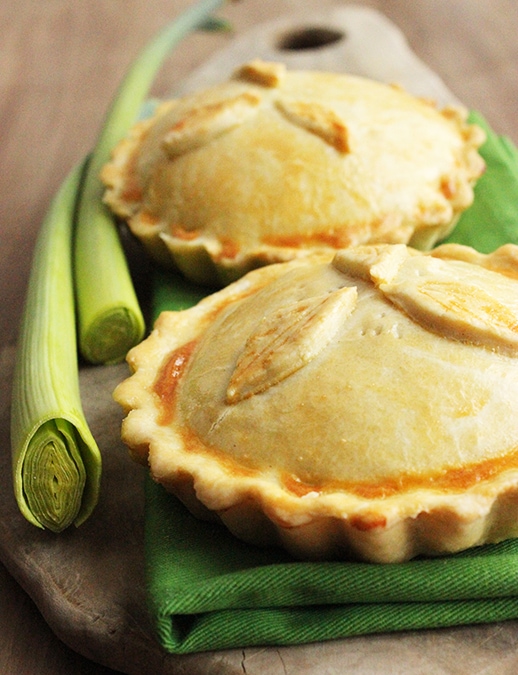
(60, 62)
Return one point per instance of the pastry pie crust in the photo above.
(275, 164)
(358, 405)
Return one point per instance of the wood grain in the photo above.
(61, 62)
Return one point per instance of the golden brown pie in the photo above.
(359, 405)
(274, 164)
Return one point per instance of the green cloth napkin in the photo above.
(493, 219)
(209, 591)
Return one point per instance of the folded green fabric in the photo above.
(493, 219)
(207, 590)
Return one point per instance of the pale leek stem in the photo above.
(110, 319)
(55, 459)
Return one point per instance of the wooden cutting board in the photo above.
(88, 583)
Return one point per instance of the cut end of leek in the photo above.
(111, 335)
(53, 476)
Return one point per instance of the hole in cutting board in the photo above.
(309, 38)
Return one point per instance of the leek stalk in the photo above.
(109, 317)
(56, 462)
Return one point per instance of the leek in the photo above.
(110, 321)
(56, 462)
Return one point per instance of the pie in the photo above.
(361, 404)
(273, 165)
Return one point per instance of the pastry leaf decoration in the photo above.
(202, 125)
(460, 311)
(264, 73)
(287, 340)
(461, 295)
(318, 120)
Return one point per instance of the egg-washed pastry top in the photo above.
(364, 405)
(274, 164)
